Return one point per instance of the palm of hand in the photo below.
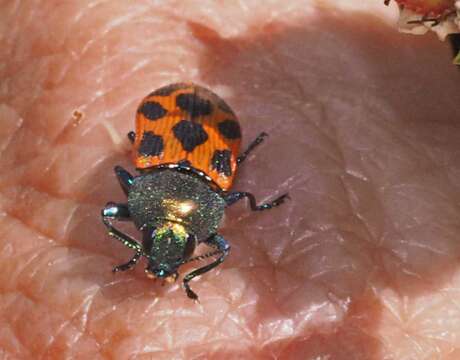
(361, 264)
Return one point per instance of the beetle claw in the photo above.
(192, 295)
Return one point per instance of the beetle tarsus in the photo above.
(256, 142)
(236, 196)
(129, 265)
(190, 293)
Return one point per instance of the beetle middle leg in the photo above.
(120, 212)
(222, 247)
(233, 197)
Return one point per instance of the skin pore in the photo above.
(361, 263)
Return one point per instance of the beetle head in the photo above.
(167, 247)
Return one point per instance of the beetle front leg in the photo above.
(223, 248)
(130, 264)
(233, 197)
(120, 212)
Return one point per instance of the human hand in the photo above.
(361, 263)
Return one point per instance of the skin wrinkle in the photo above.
(8, 138)
(407, 142)
(85, 310)
(103, 345)
(436, 192)
(100, 35)
(25, 164)
(56, 334)
(403, 230)
(31, 274)
(35, 249)
(71, 207)
(12, 328)
(51, 241)
(109, 309)
(332, 137)
(17, 339)
(41, 188)
(37, 301)
(24, 273)
(360, 217)
(13, 212)
(85, 9)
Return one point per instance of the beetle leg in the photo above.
(222, 247)
(257, 141)
(120, 212)
(130, 264)
(124, 178)
(131, 136)
(115, 211)
(233, 197)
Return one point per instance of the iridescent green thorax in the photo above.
(169, 197)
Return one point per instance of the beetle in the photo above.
(186, 150)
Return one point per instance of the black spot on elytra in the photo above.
(194, 105)
(151, 144)
(230, 129)
(152, 110)
(190, 134)
(184, 162)
(221, 162)
(169, 89)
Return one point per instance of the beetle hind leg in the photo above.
(223, 248)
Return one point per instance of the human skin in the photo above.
(361, 263)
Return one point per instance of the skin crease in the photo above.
(361, 263)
